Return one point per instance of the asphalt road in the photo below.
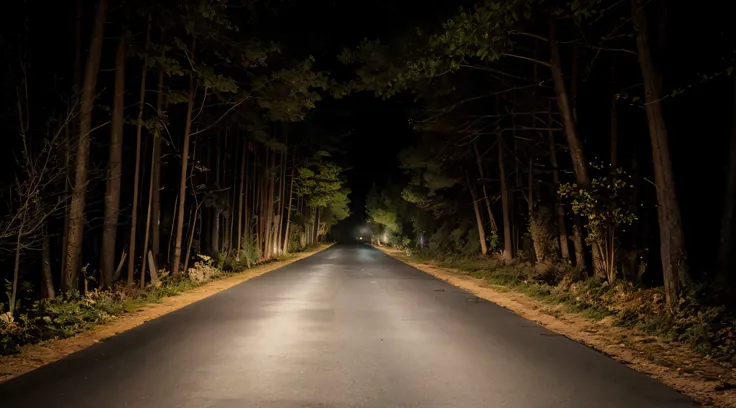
(348, 327)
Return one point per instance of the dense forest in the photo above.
(176, 135)
(580, 146)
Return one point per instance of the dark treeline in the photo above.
(140, 135)
(584, 139)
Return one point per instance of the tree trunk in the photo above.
(242, 197)
(536, 226)
(559, 209)
(317, 214)
(171, 230)
(288, 204)
(175, 271)
(137, 171)
(573, 141)
(672, 237)
(248, 217)
(507, 243)
(574, 67)
(215, 232)
(258, 209)
(478, 218)
(46, 277)
(114, 172)
(282, 193)
(725, 246)
(192, 229)
(479, 161)
(16, 264)
(156, 202)
(232, 202)
(149, 212)
(71, 129)
(269, 208)
(79, 191)
(215, 247)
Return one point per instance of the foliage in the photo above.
(320, 183)
(606, 205)
(337, 209)
(204, 270)
(382, 207)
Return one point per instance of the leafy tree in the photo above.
(606, 205)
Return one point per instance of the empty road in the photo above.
(348, 327)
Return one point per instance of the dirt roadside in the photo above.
(33, 356)
(711, 383)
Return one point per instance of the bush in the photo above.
(203, 270)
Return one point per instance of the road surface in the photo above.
(348, 327)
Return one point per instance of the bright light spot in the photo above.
(361, 238)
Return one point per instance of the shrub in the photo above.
(203, 270)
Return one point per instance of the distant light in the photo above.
(361, 238)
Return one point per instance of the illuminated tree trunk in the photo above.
(149, 210)
(175, 271)
(280, 213)
(574, 143)
(478, 219)
(505, 204)
(288, 204)
(559, 209)
(316, 224)
(270, 195)
(156, 204)
(136, 172)
(215, 224)
(16, 265)
(536, 224)
(250, 185)
(232, 194)
(70, 130)
(114, 172)
(241, 199)
(46, 277)
(78, 200)
(672, 237)
(479, 161)
(258, 209)
(726, 246)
